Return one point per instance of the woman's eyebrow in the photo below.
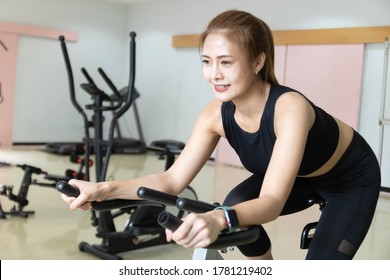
(220, 56)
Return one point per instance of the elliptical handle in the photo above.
(130, 88)
(65, 54)
(112, 87)
(87, 76)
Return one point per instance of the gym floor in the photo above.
(53, 232)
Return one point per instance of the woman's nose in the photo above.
(215, 73)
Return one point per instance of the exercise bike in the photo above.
(242, 237)
(172, 221)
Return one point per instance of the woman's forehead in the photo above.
(219, 43)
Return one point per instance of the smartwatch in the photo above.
(231, 218)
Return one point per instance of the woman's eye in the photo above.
(205, 61)
(225, 62)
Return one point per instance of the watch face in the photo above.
(233, 218)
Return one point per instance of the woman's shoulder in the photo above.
(284, 96)
(211, 116)
(292, 100)
(213, 107)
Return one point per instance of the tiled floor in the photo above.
(54, 232)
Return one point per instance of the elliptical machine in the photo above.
(141, 229)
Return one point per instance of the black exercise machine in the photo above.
(243, 236)
(168, 220)
(28, 180)
(118, 100)
(141, 229)
(309, 229)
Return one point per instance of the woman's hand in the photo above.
(88, 192)
(198, 230)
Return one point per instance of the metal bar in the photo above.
(384, 122)
(383, 100)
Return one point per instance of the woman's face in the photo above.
(226, 68)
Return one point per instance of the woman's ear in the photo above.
(260, 60)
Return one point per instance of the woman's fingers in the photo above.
(195, 232)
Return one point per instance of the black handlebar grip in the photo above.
(194, 205)
(153, 195)
(67, 189)
(169, 221)
(106, 205)
(172, 222)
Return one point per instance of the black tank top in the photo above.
(255, 149)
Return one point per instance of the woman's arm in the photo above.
(293, 119)
(201, 144)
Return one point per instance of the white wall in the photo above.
(43, 111)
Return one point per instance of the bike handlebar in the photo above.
(167, 220)
(172, 222)
(241, 237)
(107, 205)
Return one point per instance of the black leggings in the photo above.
(351, 191)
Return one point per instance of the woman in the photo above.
(294, 149)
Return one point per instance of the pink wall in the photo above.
(330, 75)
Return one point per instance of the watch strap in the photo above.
(231, 218)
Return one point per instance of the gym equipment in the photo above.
(168, 149)
(167, 220)
(117, 105)
(308, 230)
(120, 145)
(21, 198)
(141, 229)
(64, 148)
(244, 236)
(118, 100)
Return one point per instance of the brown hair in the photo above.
(250, 33)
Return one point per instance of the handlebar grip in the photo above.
(194, 205)
(169, 221)
(172, 222)
(157, 196)
(67, 189)
(107, 205)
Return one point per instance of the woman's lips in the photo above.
(221, 88)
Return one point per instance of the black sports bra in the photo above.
(255, 149)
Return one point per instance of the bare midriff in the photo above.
(345, 138)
